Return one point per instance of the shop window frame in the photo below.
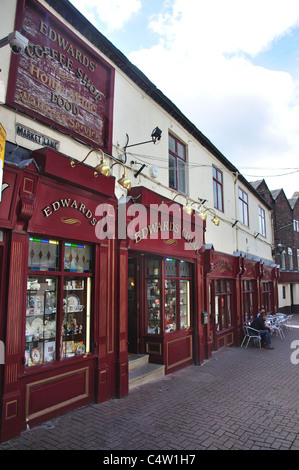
(218, 189)
(179, 164)
(222, 297)
(162, 278)
(243, 207)
(62, 276)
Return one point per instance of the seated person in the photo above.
(259, 323)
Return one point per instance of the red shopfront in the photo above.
(165, 286)
(236, 287)
(268, 288)
(58, 282)
(223, 297)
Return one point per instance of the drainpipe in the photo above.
(236, 209)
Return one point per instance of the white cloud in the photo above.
(203, 63)
(114, 13)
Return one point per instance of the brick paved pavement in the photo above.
(240, 399)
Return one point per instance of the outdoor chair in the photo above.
(276, 322)
(251, 334)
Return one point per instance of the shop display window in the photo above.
(174, 306)
(58, 305)
(43, 254)
(76, 315)
(222, 305)
(248, 299)
(41, 320)
(177, 295)
(153, 289)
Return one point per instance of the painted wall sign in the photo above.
(33, 136)
(61, 80)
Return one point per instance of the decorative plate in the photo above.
(80, 349)
(35, 356)
(73, 303)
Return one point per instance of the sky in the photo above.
(231, 66)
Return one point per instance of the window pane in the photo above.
(184, 305)
(76, 316)
(172, 172)
(171, 144)
(181, 176)
(43, 254)
(219, 198)
(153, 306)
(185, 269)
(77, 258)
(170, 268)
(153, 267)
(40, 334)
(181, 151)
(170, 306)
(229, 312)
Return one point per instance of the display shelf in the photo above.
(153, 306)
(74, 317)
(170, 305)
(40, 334)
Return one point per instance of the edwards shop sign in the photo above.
(61, 80)
(128, 222)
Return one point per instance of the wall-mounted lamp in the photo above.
(104, 169)
(124, 181)
(203, 215)
(280, 248)
(101, 169)
(188, 207)
(155, 137)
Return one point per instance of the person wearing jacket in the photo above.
(259, 323)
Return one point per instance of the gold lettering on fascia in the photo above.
(72, 204)
(165, 227)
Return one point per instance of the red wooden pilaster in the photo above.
(11, 401)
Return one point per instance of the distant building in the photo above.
(286, 244)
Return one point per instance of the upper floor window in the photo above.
(218, 188)
(262, 222)
(290, 255)
(243, 207)
(283, 260)
(177, 165)
(296, 225)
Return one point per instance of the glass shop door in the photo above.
(133, 306)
